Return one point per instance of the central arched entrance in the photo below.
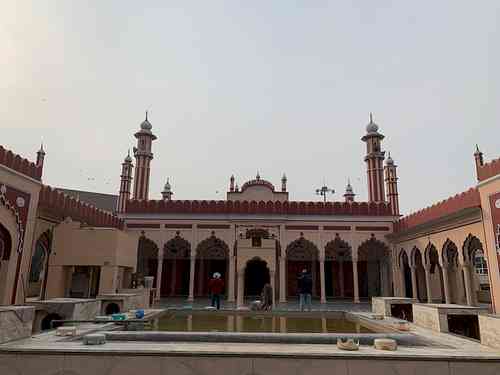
(302, 254)
(256, 275)
(212, 255)
(339, 281)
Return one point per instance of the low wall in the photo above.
(489, 327)
(382, 305)
(427, 317)
(127, 299)
(435, 316)
(16, 322)
(196, 364)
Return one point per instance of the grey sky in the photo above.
(236, 87)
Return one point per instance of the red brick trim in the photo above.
(143, 225)
(260, 208)
(334, 227)
(20, 164)
(214, 226)
(372, 229)
(301, 227)
(178, 226)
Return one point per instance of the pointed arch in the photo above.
(147, 258)
(373, 249)
(338, 249)
(177, 248)
(470, 246)
(414, 255)
(212, 248)
(450, 253)
(302, 249)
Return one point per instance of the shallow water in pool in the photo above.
(218, 322)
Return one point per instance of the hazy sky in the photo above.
(241, 86)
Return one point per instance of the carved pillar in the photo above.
(232, 270)
(192, 270)
(414, 286)
(355, 279)
(241, 288)
(428, 283)
(468, 285)
(272, 276)
(159, 270)
(446, 283)
(341, 278)
(232, 266)
(322, 279)
(282, 279)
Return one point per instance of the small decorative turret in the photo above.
(283, 183)
(231, 183)
(167, 192)
(391, 184)
(40, 156)
(125, 184)
(236, 188)
(349, 192)
(258, 176)
(478, 156)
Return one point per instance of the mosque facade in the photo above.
(61, 243)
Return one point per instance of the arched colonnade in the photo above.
(447, 273)
(338, 271)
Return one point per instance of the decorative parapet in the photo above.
(61, 205)
(265, 208)
(488, 170)
(20, 164)
(467, 199)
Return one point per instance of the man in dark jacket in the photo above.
(304, 282)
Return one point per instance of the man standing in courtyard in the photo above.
(216, 286)
(304, 282)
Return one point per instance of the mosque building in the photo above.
(56, 242)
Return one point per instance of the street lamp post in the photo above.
(324, 190)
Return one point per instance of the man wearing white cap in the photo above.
(216, 286)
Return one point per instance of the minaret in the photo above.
(231, 183)
(125, 184)
(40, 156)
(349, 193)
(283, 183)
(374, 162)
(143, 157)
(391, 183)
(478, 156)
(167, 192)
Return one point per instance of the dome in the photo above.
(146, 125)
(167, 186)
(389, 160)
(371, 127)
(348, 189)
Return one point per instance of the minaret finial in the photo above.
(146, 115)
(371, 117)
(477, 148)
